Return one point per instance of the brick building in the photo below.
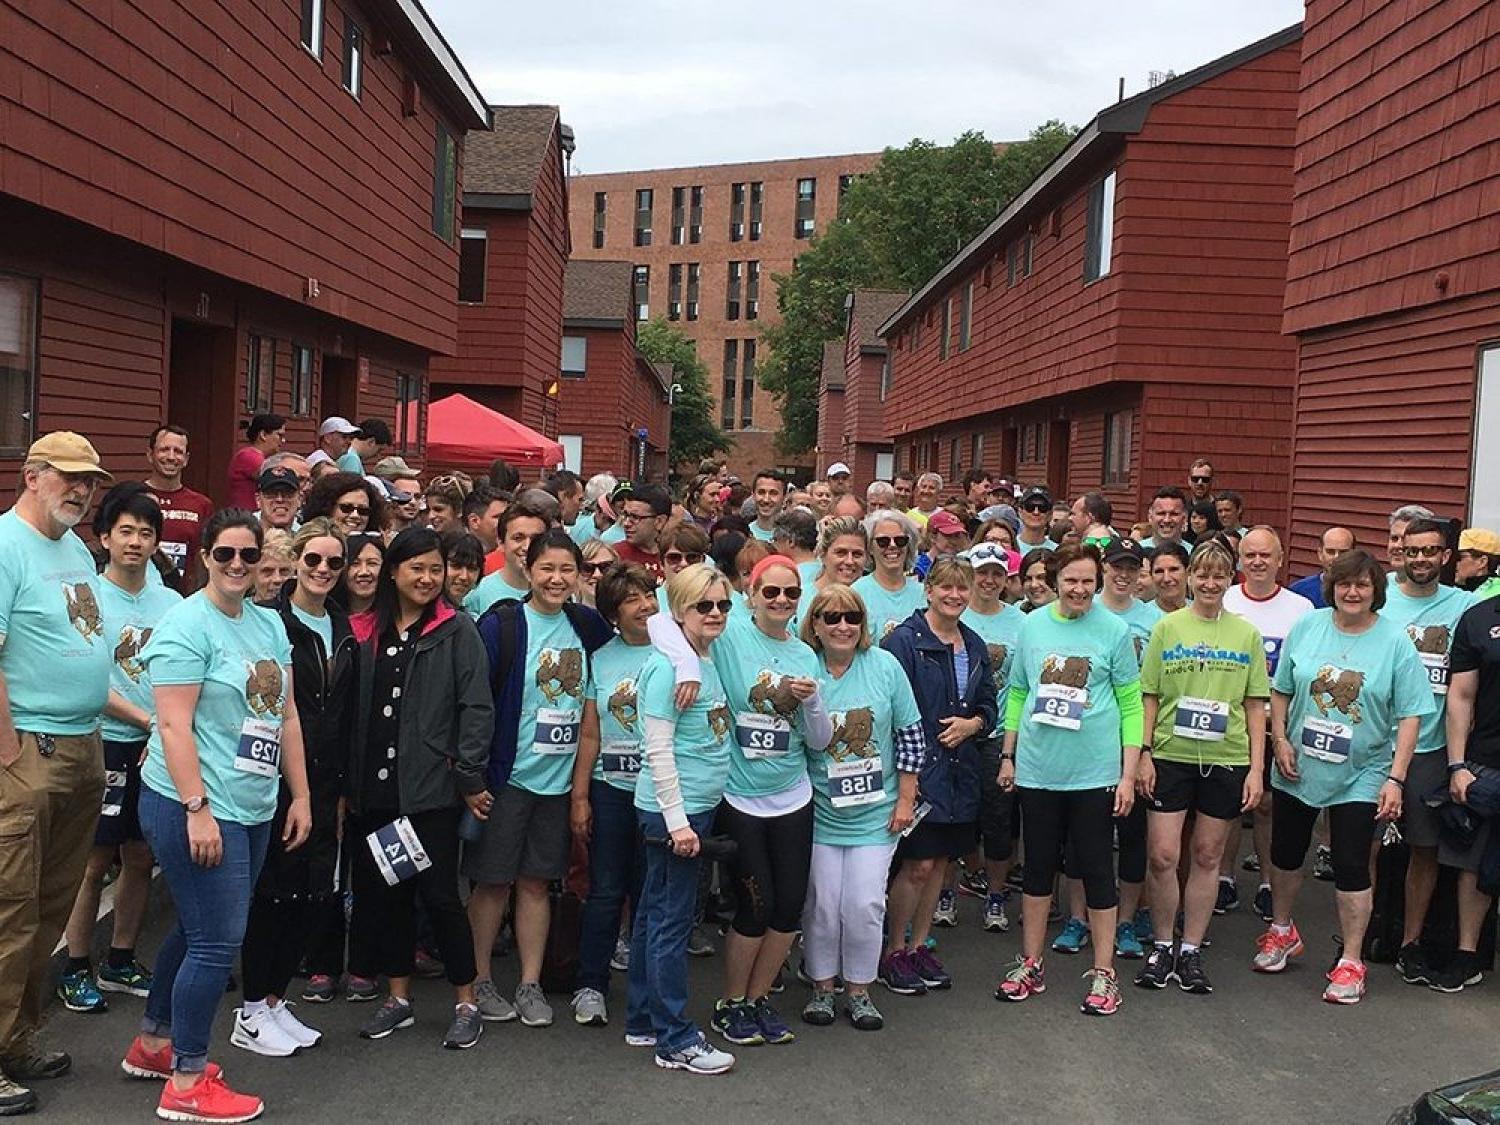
(1393, 288)
(614, 408)
(830, 406)
(514, 247)
(212, 212)
(865, 439)
(706, 243)
(1123, 314)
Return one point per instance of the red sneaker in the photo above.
(141, 1063)
(210, 1100)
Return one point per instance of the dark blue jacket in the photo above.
(949, 780)
(502, 628)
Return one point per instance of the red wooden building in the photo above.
(1393, 289)
(1122, 315)
(614, 407)
(831, 406)
(867, 446)
(514, 247)
(214, 209)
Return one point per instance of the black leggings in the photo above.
(1130, 834)
(1351, 834)
(1081, 820)
(277, 935)
(770, 868)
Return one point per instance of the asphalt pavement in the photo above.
(1260, 1048)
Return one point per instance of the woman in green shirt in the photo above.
(889, 592)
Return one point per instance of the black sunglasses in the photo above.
(312, 560)
(792, 593)
(1036, 507)
(352, 509)
(224, 555)
(887, 541)
(589, 569)
(692, 558)
(1201, 480)
(840, 616)
(705, 607)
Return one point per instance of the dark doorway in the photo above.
(340, 387)
(201, 397)
(1057, 458)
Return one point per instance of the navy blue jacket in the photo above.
(949, 780)
(502, 628)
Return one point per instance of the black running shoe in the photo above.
(1412, 965)
(1157, 971)
(1190, 975)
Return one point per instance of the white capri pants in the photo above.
(845, 911)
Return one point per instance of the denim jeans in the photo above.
(616, 870)
(213, 904)
(658, 946)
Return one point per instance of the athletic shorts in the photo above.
(997, 808)
(527, 836)
(938, 841)
(120, 814)
(1216, 791)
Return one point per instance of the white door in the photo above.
(1484, 492)
(572, 451)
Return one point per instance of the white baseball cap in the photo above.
(337, 425)
(990, 554)
(318, 457)
(838, 468)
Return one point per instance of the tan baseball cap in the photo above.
(394, 468)
(67, 452)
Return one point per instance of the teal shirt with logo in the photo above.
(885, 609)
(617, 670)
(492, 588)
(1347, 694)
(553, 689)
(700, 739)
(854, 780)
(129, 620)
(998, 631)
(768, 753)
(54, 649)
(1141, 617)
(1430, 624)
(242, 666)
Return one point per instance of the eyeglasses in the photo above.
(841, 616)
(705, 607)
(404, 497)
(312, 560)
(885, 542)
(791, 593)
(224, 555)
(692, 558)
(589, 569)
(627, 516)
(1036, 507)
(1424, 552)
(1201, 480)
(354, 509)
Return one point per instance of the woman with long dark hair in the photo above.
(350, 501)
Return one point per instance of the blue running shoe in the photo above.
(134, 978)
(1143, 932)
(1127, 945)
(78, 993)
(1074, 937)
(773, 1028)
(1263, 903)
(735, 1021)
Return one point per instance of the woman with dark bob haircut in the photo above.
(350, 501)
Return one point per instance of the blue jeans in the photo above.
(213, 904)
(616, 870)
(658, 946)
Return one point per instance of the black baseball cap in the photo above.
(1118, 549)
(277, 477)
(1034, 493)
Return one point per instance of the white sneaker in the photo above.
(701, 1057)
(304, 1035)
(262, 1034)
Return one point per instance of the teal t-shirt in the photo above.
(492, 588)
(582, 529)
(1347, 694)
(128, 622)
(768, 754)
(885, 609)
(1044, 545)
(998, 631)
(1069, 736)
(552, 694)
(1141, 617)
(243, 665)
(614, 533)
(700, 740)
(322, 626)
(854, 780)
(54, 650)
(349, 462)
(1430, 623)
(617, 669)
(761, 533)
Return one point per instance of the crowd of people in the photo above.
(370, 729)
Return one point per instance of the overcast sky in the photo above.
(657, 83)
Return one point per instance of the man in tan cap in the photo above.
(54, 680)
(1478, 558)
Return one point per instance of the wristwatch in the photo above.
(194, 804)
(1010, 757)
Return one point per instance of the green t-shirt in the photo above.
(54, 650)
(552, 694)
(854, 780)
(1347, 694)
(700, 740)
(128, 622)
(886, 610)
(492, 588)
(1489, 588)
(1141, 617)
(768, 754)
(998, 631)
(1430, 623)
(1069, 736)
(1201, 673)
(617, 668)
(242, 665)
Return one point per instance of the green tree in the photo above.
(898, 226)
(694, 434)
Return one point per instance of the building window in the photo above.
(1117, 427)
(1098, 246)
(601, 210)
(643, 292)
(747, 386)
(472, 244)
(807, 202)
(966, 318)
(1018, 260)
(736, 212)
(695, 215)
(1034, 443)
(312, 26)
(302, 380)
(945, 340)
(444, 188)
(732, 291)
(887, 370)
(976, 451)
(260, 370)
(674, 291)
(844, 182)
(954, 467)
(731, 381)
(572, 445)
(679, 215)
(408, 391)
(643, 198)
(575, 356)
(354, 56)
(752, 290)
(757, 206)
(694, 275)
(916, 335)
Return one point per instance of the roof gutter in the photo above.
(459, 87)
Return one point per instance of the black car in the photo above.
(1474, 1100)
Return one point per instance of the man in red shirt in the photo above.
(643, 514)
(265, 434)
(183, 511)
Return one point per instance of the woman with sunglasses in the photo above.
(682, 545)
(864, 796)
(295, 886)
(889, 592)
(227, 730)
(598, 556)
(353, 503)
(685, 761)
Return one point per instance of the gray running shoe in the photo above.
(700, 943)
(493, 1008)
(532, 1006)
(466, 1028)
(589, 1009)
(620, 960)
(393, 1015)
(15, 1099)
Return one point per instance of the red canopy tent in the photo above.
(461, 431)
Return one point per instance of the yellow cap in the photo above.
(67, 452)
(1479, 539)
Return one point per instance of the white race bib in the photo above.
(1203, 720)
(259, 751)
(1058, 705)
(855, 782)
(556, 730)
(762, 736)
(1327, 740)
(399, 854)
(620, 760)
(1436, 664)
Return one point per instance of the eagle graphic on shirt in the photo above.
(559, 672)
(853, 732)
(1340, 687)
(133, 639)
(622, 704)
(1070, 671)
(718, 720)
(1430, 638)
(263, 687)
(83, 610)
(772, 695)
